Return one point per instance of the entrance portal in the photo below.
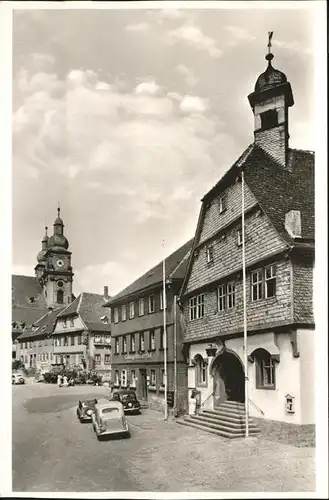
(229, 381)
(143, 383)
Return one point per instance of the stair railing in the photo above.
(209, 395)
(257, 407)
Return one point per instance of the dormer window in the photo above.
(222, 203)
(269, 119)
(210, 254)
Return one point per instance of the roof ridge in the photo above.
(186, 256)
(80, 300)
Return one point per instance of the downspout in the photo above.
(175, 356)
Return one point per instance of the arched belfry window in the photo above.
(265, 369)
(201, 370)
(60, 297)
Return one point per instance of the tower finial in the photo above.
(58, 210)
(46, 229)
(269, 56)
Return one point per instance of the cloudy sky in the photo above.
(128, 117)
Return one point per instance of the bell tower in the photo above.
(54, 271)
(270, 101)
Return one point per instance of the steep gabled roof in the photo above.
(89, 307)
(44, 326)
(28, 301)
(175, 264)
(277, 190)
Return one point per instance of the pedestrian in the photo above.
(192, 403)
(65, 381)
(59, 380)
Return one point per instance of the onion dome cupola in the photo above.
(44, 247)
(57, 240)
(270, 101)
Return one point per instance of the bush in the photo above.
(18, 365)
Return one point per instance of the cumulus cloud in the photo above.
(110, 273)
(193, 36)
(237, 35)
(190, 78)
(193, 104)
(150, 88)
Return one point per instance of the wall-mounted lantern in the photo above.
(289, 403)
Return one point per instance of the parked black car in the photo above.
(85, 409)
(128, 399)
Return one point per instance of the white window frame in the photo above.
(256, 284)
(98, 359)
(222, 203)
(271, 278)
(107, 356)
(230, 294)
(221, 298)
(133, 378)
(116, 345)
(124, 344)
(123, 313)
(116, 377)
(152, 340)
(151, 310)
(123, 378)
(239, 237)
(196, 307)
(141, 307)
(142, 341)
(153, 378)
(201, 372)
(210, 254)
(116, 315)
(131, 310)
(132, 343)
(107, 339)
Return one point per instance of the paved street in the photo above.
(52, 451)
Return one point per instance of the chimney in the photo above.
(106, 292)
(293, 224)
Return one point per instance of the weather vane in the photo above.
(269, 45)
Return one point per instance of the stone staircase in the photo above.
(228, 420)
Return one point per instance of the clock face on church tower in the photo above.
(59, 263)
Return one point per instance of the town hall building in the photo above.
(279, 240)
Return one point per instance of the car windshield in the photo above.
(88, 403)
(130, 396)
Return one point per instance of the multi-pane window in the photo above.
(221, 297)
(270, 281)
(201, 370)
(196, 305)
(265, 370)
(152, 340)
(124, 345)
(133, 378)
(132, 310)
(222, 203)
(256, 285)
(97, 359)
(116, 346)
(151, 303)
(98, 339)
(210, 254)
(64, 323)
(107, 359)
(123, 378)
(239, 237)
(72, 322)
(153, 378)
(79, 340)
(116, 315)
(141, 342)
(123, 313)
(72, 340)
(116, 377)
(230, 290)
(141, 307)
(132, 343)
(66, 341)
(107, 339)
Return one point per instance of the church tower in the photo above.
(270, 101)
(54, 271)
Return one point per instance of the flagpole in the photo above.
(244, 308)
(164, 303)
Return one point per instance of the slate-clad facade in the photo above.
(279, 256)
(138, 334)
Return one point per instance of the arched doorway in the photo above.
(228, 376)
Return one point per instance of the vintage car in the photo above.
(109, 419)
(85, 409)
(17, 379)
(128, 399)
